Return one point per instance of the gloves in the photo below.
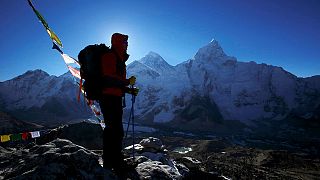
(132, 80)
(134, 91)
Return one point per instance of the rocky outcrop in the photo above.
(58, 159)
(62, 159)
(155, 163)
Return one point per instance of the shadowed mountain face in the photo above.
(210, 89)
(9, 124)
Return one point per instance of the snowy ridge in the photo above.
(34, 83)
(37, 96)
(241, 90)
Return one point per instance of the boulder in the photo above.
(190, 163)
(59, 159)
(156, 157)
(137, 149)
(152, 144)
(157, 170)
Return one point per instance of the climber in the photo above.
(115, 84)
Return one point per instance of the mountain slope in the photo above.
(9, 124)
(241, 91)
(37, 97)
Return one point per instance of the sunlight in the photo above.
(108, 29)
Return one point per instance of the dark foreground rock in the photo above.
(58, 159)
(240, 162)
(160, 157)
(62, 159)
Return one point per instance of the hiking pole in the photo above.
(133, 99)
(131, 117)
(128, 123)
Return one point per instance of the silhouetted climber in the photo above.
(114, 87)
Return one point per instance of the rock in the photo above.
(157, 170)
(137, 159)
(3, 150)
(50, 135)
(190, 162)
(137, 149)
(62, 159)
(190, 169)
(152, 144)
(183, 170)
(156, 157)
(59, 159)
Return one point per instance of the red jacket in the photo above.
(114, 73)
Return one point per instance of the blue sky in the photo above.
(277, 32)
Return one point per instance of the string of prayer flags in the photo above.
(21, 136)
(72, 64)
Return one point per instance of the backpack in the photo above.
(90, 69)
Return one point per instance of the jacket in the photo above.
(114, 73)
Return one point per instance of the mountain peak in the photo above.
(152, 57)
(214, 43)
(211, 51)
(155, 62)
(38, 74)
(153, 54)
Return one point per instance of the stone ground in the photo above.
(209, 158)
(238, 162)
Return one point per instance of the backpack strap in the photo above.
(120, 64)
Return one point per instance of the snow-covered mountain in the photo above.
(210, 88)
(38, 97)
(213, 86)
(158, 64)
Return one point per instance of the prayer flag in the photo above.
(74, 72)
(67, 59)
(56, 47)
(35, 134)
(52, 35)
(25, 135)
(5, 138)
(16, 137)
